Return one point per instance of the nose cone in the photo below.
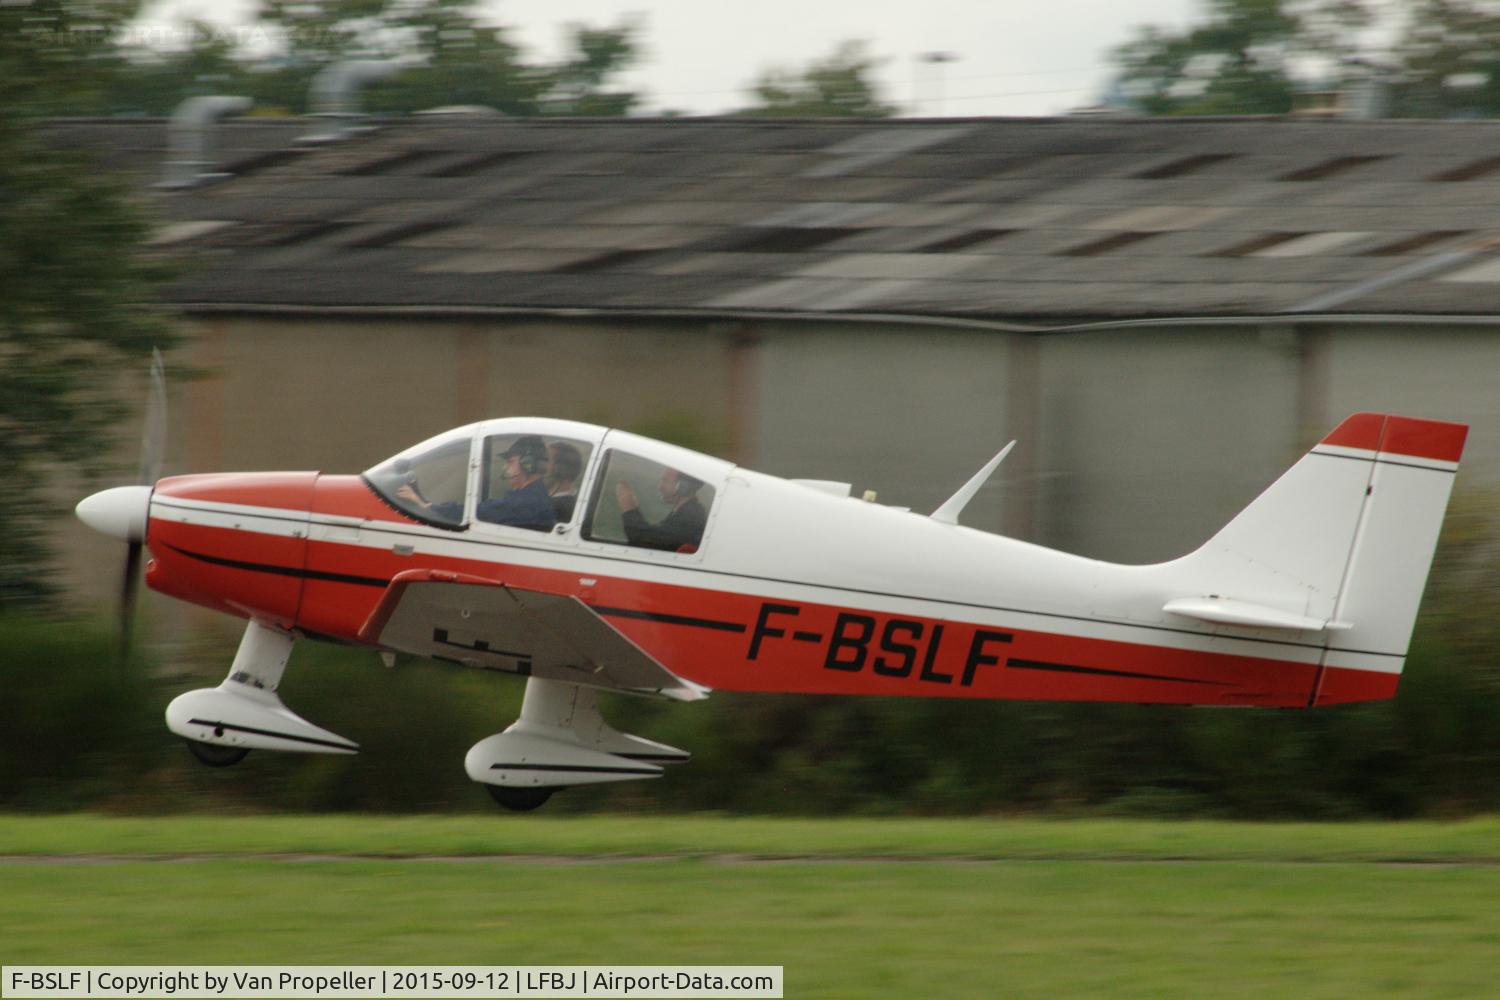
(119, 513)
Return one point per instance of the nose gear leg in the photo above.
(244, 712)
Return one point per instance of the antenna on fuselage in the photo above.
(954, 505)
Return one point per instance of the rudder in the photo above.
(1412, 463)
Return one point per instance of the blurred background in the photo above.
(1167, 257)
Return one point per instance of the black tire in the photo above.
(215, 755)
(520, 799)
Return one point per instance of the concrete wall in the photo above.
(911, 414)
(1431, 370)
(339, 394)
(1152, 439)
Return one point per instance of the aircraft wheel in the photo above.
(215, 755)
(520, 799)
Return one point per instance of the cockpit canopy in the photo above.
(530, 474)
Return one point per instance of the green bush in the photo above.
(78, 726)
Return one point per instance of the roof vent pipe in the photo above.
(1366, 86)
(188, 162)
(335, 94)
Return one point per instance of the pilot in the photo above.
(526, 505)
(562, 480)
(681, 529)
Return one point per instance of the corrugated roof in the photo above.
(1006, 219)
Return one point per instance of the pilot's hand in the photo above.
(625, 496)
(408, 493)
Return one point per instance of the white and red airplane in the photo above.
(657, 570)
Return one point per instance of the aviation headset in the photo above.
(529, 452)
(687, 486)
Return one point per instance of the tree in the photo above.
(579, 85)
(1252, 55)
(78, 298)
(1448, 61)
(837, 86)
(451, 55)
(155, 82)
(57, 54)
(471, 64)
(1240, 61)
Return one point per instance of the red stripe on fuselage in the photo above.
(197, 563)
(731, 640)
(734, 641)
(1341, 686)
(193, 561)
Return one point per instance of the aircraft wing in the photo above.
(483, 623)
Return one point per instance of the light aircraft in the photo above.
(1306, 598)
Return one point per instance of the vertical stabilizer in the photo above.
(1340, 545)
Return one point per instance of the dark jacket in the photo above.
(683, 526)
(528, 507)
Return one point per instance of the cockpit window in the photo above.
(647, 505)
(530, 480)
(427, 481)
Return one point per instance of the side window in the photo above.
(530, 481)
(647, 505)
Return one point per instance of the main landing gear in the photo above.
(216, 754)
(223, 724)
(521, 800)
(560, 740)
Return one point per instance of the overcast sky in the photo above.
(701, 57)
(1011, 58)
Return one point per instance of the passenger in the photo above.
(526, 505)
(562, 480)
(681, 529)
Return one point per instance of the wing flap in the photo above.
(483, 623)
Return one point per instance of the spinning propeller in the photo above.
(122, 512)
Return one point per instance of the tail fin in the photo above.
(1341, 545)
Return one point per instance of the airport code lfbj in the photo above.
(354, 981)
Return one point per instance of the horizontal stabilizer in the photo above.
(1227, 611)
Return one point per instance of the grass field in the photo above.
(980, 908)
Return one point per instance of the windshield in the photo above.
(428, 481)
